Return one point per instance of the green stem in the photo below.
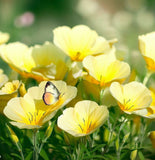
(41, 146)
(35, 148)
(143, 133)
(20, 151)
(111, 130)
(101, 96)
(79, 152)
(118, 152)
(148, 75)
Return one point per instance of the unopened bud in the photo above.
(13, 135)
(133, 155)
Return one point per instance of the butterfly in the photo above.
(51, 93)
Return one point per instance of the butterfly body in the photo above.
(51, 94)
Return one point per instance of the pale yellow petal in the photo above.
(13, 110)
(48, 117)
(139, 94)
(146, 45)
(117, 91)
(17, 54)
(117, 70)
(24, 125)
(101, 46)
(4, 37)
(36, 92)
(97, 66)
(68, 123)
(3, 79)
(140, 112)
(82, 39)
(62, 38)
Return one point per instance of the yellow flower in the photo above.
(80, 41)
(104, 69)
(133, 97)
(9, 91)
(151, 108)
(38, 62)
(152, 137)
(4, 37)
(3, 78)
(30, 111)
(147, 48)
(83, 119)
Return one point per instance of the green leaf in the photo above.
(141, 156)
(98, 147)
(29, 156)
(15, 155)
(110, 157)
(44, 155)
(95, 156)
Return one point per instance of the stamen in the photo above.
(90, 125)
(43, 114)
(83, 120)
(80, 127)
(100, 77)
(130, 107)
(31, 116)
(35, 115)
(126, 101)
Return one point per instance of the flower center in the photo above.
(33, 118)
(85, 126)
(127, 105)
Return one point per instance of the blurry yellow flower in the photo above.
(13, 135)
(152, 137)
(133, 97)
(38, 62)
(75, 71)
(133, 155)
(83, 119)
(3, 78)
(4, 37)
(9, 91)
(80, 41)
(30, 111)
(104, 69)
(10, 87)
(151, 108)
(147, 48)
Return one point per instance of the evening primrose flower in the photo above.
(133, 97)
(9, 91)
(80, 41)
(4, 37)
(31, 112)
(83, 119)
(104, 69)
(38, 62)
(147, 48)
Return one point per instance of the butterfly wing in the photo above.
(51, 94)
